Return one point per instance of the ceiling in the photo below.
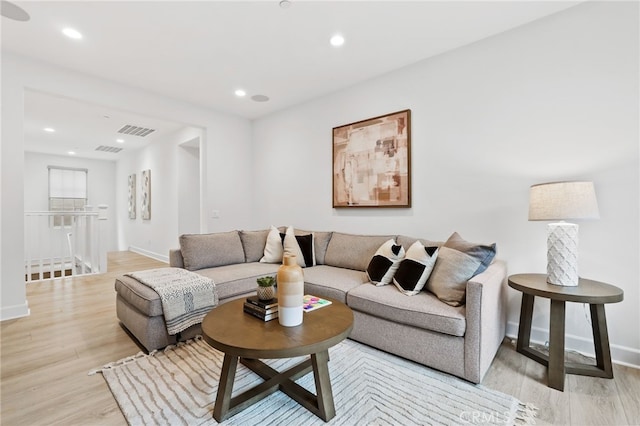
(81, 128)
(202, 51)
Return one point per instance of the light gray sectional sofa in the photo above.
(460, 340)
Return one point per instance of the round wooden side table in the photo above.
(595, 293)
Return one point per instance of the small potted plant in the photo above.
(266, 289)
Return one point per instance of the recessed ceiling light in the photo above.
(71, 33)
(120, 140)
(71, 153)
(337, 40)
(285, 4)
(240, 93)
(49, 129)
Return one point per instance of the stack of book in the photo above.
(266, 310)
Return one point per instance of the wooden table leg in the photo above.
(601, 340)
(524, 329)
(556, 370)
(324, 393)
(223, 398)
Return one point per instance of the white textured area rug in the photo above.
(370, 387)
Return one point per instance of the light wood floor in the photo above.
(73, 328)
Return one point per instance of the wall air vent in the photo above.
(105, 148)
(129, 129)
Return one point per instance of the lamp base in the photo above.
(562, 254)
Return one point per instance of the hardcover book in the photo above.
(259, 310)
(265, 318)
(265, 304)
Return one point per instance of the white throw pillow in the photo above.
(302, 246)
(415, 269)
(273, 250)
(385, 263)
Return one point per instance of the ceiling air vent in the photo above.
(105, 148)
(129, 129)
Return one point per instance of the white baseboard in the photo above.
(622, 355)
(15, 311)
(150, 254)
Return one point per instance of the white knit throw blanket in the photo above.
(186, 296)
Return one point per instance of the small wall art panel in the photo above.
(146, 195)
(372, 162)
(132, 196)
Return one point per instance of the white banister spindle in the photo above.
(53, 247)
(102, 237)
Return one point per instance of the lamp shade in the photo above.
(563, 201)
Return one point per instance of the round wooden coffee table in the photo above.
(248, 339)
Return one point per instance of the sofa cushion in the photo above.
(175, 258)
(385, 263)
(458, 261)
(320, 241)
(233, 280)
(353, 251)
(329, 281)
(207, 250)
(423, 310)
(253, 243)
(301, 246)
(415, 269)
(273, 249)
(406, 242)
(138, 295)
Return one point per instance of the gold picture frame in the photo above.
(372, 162)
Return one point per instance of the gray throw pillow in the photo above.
(458, 261)
(201, 251)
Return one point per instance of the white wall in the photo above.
(100, 189)
(189, 211)
(226, 183)
(14, 303)
(156, 236)
(553, 100)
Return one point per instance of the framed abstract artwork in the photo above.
(372, 162)
(132, 196)
(145, 208)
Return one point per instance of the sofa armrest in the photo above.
(175, 258)
(486, 319)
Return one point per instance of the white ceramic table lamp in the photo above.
(562, 201)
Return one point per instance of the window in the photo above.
(67, 192)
